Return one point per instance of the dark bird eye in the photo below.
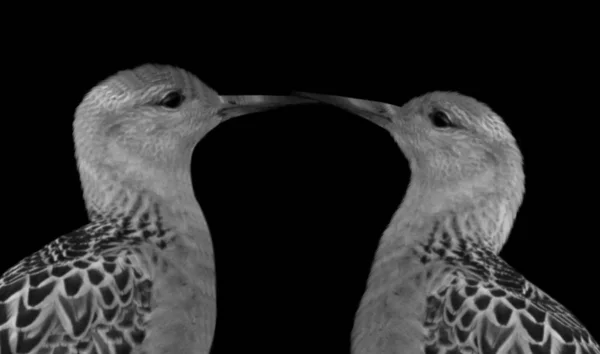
(173, 99)
(440, 119)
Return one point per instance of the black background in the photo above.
(296, 199)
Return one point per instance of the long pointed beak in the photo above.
(380, 113)
(235, 106)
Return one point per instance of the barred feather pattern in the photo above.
(475, 303)
(89, 291)
(86, 292)
(483, 305)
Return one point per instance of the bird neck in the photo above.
(484, 217)
(484, 206)
(113, 192)
(418, 235)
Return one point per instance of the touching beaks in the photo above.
(380, 113)
(235, 106)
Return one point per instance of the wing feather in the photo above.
(82, 294)
(493, 309)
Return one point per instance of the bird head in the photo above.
(459, 150)
(140, 126)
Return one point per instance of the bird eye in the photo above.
(173, 99)
(440, 119)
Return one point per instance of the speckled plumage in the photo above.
(139, 278)
(81, 292)
(437, 284)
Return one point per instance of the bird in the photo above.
(437, 283)
(140, 276)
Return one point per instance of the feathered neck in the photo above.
(484, 206)
(112, 191)
(426, 216)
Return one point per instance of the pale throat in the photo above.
(165, 181)
(478, 203)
